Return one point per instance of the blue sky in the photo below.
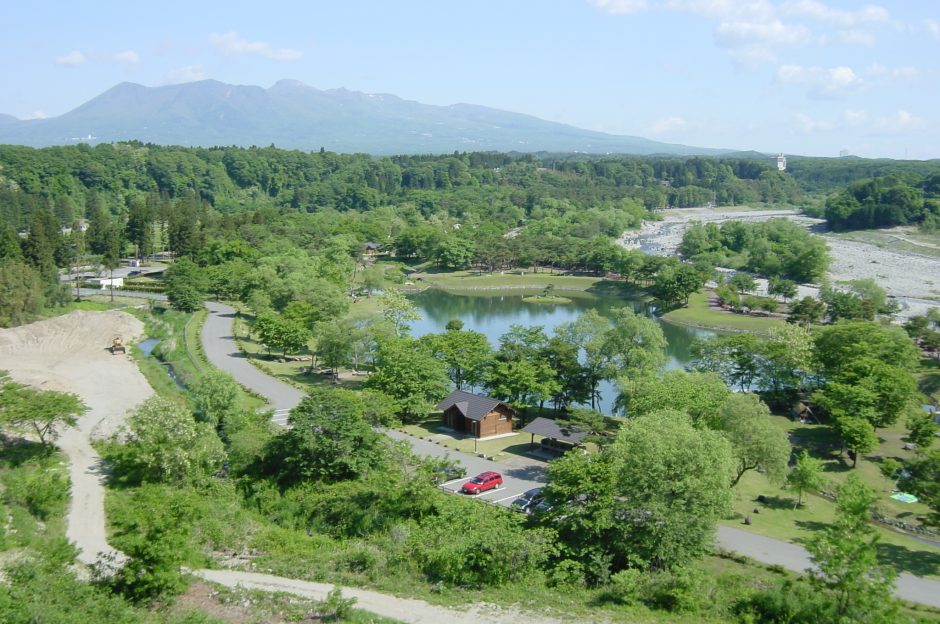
(798, 76)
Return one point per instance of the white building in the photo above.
(108, 282)
(781, 162)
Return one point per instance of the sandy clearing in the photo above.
(67, 353)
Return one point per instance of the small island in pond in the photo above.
(546, 299)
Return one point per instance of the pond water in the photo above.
(492, 312)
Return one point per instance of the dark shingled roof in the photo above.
(548, 428)
(472, 406)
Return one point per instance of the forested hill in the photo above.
(296, 116)
(495, 187)
(506, 188)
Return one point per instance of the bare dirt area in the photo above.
(900, 274)
(68, 353)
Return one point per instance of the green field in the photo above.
(698, 314)
(778, 518)
(518, 278)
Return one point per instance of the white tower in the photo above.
(781, 162)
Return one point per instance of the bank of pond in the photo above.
(492, 313)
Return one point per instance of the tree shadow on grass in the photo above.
(17, 451)
(902, 558)
(776, 502)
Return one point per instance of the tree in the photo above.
(398, 310)
(671, 487)
(329, 439)
(41, 412)
(857, 434)
(628, 344)
(736, 358)
(650, 500)
(21, 293)
(846, 558)
(674, 285)
(756, 442)
(414, 378)
(465, 353)
(923, 479)
(700, 395)
(782, 288)
(454, 252)
(168, 445)
(335, 342)
(921, 429)
(155, 541)
(841, 343)
(805, 476)
(521, 381)
(187, 285)
(281, 333)
(806, 311)
(743, 283)
(215, 397)
(786, 360)
(373, 278)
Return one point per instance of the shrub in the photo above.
(41, 488)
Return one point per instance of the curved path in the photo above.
(220, 347)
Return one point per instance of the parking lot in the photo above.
(516, 481)
(511, 489)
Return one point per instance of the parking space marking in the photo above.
(486, 492)
(455, 481)
(508, 497)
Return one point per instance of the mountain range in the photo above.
(294, 115)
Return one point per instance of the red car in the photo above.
(482, 482)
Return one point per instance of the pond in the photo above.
(492, 312)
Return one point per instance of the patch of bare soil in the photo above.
(69, 353)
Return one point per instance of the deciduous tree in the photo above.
(846, 558)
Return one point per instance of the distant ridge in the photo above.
(294, 115)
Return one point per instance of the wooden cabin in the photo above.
(480, 416)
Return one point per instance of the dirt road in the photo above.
(404, 609)
(67, 353)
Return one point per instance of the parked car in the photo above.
(483, 482)
(528, 500)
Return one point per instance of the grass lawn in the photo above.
(928, 382)
(518, 278)
(907, 242)
(432, 429)
(292, 372)
(698, 314)
(778, 518)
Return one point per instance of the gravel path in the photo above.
(404, 609)
(67, 353)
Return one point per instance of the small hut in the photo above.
(478, 415)
(557, 438)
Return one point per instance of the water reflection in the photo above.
(492, 312)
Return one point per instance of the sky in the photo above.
(806, 77)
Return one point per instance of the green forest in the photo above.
(300, 242)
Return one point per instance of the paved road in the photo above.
(220, 347)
